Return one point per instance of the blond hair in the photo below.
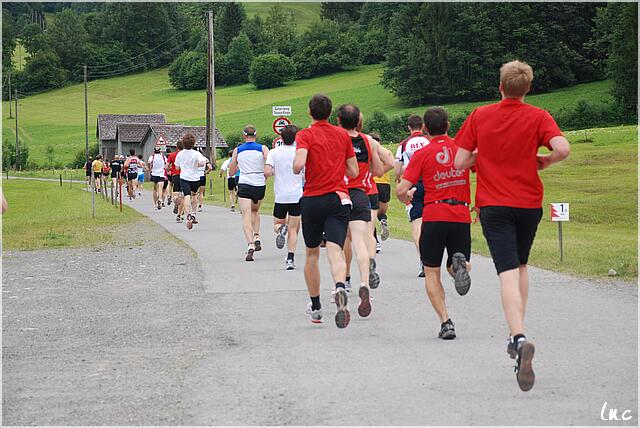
(515, 78)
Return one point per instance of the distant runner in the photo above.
(175, 182)
(140, 182)
(96, 167)
(157, 173)
(189, 160)
(131, 166)
(232, 182)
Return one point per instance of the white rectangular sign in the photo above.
(560, 211)
(281, 110)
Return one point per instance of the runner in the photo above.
(88, 170)
(249, 159)
(132, 165)
(167, 185)
(188, 160)
(232, 183)
(96, 166)
(140, 182)
(384, 196)
(203, 171)
(326, 153)
(446, 222)
(175, 182)
(406, 149)
(287, 187)
(359, 231)
(106, 169)
(157, 172)
(116, 168)
(509, 193)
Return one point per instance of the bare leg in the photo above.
(312, 271)
(359, 235)
(512, 300)
(292, 234)
(416, 229)
(435, 292)
(348, 253)
(255, 217)
(247, 226)
(336, 262)
(523, 283)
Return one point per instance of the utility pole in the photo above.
(86, 142)
(211, 87)
(10, 100)
(17, 139)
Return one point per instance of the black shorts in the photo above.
(247, 191)
(97, 175)
(132, 176)
(360, 209)
(189, 187)
(374, 202)
(203, 181)
(156, 179)
(165, 184)
(175, 180)
(280, 211)
(384, 192)
(87, 172)
(324, 215)
(438, 235)
(231, 183)
(417, 204)
(510, 233)
(114, 174)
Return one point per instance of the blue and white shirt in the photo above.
(251, 164)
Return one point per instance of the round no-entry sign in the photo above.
(277, 142)
(280, 123)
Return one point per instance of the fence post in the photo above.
(60, 180)
(112, 202)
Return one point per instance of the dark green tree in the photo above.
(271, 70)
(238, 59)
(280, 30)
(43, 70)
(623, 60)
(8, 40)
(228, 24)
(340, 11)
(189, 71)
(69, 39)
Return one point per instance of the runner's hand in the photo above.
(543, 161)
(410, 194)
(476, 210)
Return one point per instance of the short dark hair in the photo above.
(132, 152)
(349, 116)
(320, 107)
(436, 120)
(188, 141)
(139, 156)
(230, 153)
(249, 131)
(289, 134)
(179, 144)
(415, 122)
(168, 150)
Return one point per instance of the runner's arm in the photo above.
(233, 165)
(402, 189)
(465, 159)
(300, 160)
(561, 151)
(376, 165)
(352, 167)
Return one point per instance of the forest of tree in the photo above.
(432, 52)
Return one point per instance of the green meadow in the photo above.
(305, 13)
(56, 118)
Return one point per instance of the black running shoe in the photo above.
(512, 348)
(249, 257)
(524, 367)
(257, 243)
(447, 330)
(461, 277)
(342, 315)
(175, 208)
(374, 277)
(159, 204)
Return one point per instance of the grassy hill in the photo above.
(305, 13)
(56, 118)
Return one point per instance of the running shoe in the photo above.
(175, 209)
(342, 315)
(250, 252)
(281, 236)
(447, 330)
(169, 200)
(364, 308)
(461, 277)
(347, 285)
(233, 208)
(193, 219)
(421, 271)
(159, 205)
(199, 208)
(256, 242)
(314, 315)
(384, 230)
(189, 222)
(178, 219)
(163, 204)
(374, 277)
(378, 247)
(289, 265)
(332, 299)
(512, 349)
(524, 369)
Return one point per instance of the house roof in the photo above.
(172, 133)
(106, 126)
(132, 132)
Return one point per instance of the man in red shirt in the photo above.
(326, 154)
(445, 216)
(174, 172)
(502, 140)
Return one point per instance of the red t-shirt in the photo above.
(434, 165)
(507, 135)
(328, 149)
(172, 159)
(362, 149)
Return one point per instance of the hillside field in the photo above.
(305, 13)
(56, 118)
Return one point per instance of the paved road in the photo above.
(277, 368)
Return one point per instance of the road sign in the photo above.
(161, 143)
(281, 110)
(280, 123)
(560, 211)
(277, 142)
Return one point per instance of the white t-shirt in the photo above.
(413, 145)
(156, 163)
(187, 161)
(287, 185)
(225, 166)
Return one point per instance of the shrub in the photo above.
(189, 71)
(9, 155)
(79, 159)
(271, 70)
(587, 114)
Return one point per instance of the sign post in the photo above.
(281, 110)
(560, 214)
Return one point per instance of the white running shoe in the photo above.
(384, 230)
(289, 265)
(314, 315)
(378, 248)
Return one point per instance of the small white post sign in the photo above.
(281, 110)
(560, 214)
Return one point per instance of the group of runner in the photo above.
(99, 170)
(334, 182)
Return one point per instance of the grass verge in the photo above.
(43, 215)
